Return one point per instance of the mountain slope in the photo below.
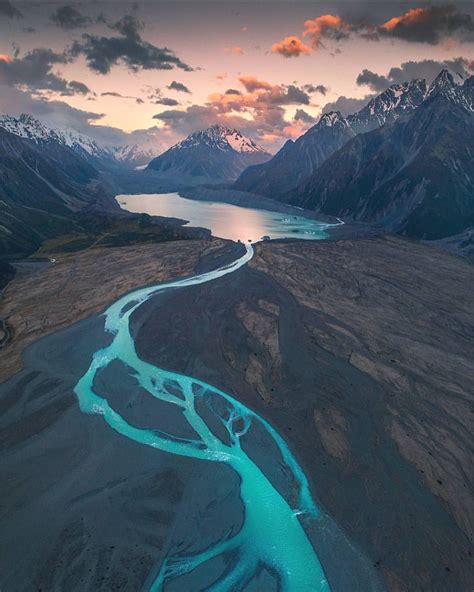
(215, 154)
(414, 176)
(296, 162)
(42, 182)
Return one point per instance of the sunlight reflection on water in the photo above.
(226, 220)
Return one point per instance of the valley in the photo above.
(236, 345)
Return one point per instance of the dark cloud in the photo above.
(432, 24)
(117, 95)
(193, 118)
(68, 17)
(232, 91)
(129, 48)
(111, 93)
(320, 88)
(295, 96)
(373, 80)
(346, 105)
(302, 115)
(427, 69)
(78, 87)
(179, 86)
(429, 24)
(8, 10)
(167, 101)
(34, 70)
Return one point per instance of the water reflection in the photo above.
(226, 220)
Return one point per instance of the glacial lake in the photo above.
(226, 220)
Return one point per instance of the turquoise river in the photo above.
(272, 534)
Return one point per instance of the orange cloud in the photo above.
(291, 47)
(5, 58)
(326, 25)
(234, 50)
(252, 84)
(414, 16)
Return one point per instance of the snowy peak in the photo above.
(133, 154)
(455, 88)
(332, 119)
(446, 80)
(222, 138)
(389, 105)
(27, 126)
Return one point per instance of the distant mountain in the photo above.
(30, 128)
(414, 176)
(297, 161)
(214, 154)
(132, 155)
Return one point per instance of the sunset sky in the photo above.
(163, 70)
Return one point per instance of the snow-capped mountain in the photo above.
(222, 138)
(27, 126)
(137, 155)
(297, 161)
(455, 88)
(389, 105)
(412, 176)
(134, 155)
(217, 153)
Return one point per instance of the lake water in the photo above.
(226, 220)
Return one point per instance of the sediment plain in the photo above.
(359, 352)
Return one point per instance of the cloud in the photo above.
(326, 26)
(291, 47)
(129, 48)
(167, 101)
(234, 50)
(302, 115)
(429, 24)
(8, 10)
(372, 80)
(34, 71)
(112, 93)
(67, 17)
(179, 87)
(346, 105)
(252, 84)
(319, 88)
(427, 69)
(232, 91)
(77, 87)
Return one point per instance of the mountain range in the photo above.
(214, 154)
(30, 128)
(404, 161)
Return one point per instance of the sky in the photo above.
(153, 72)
